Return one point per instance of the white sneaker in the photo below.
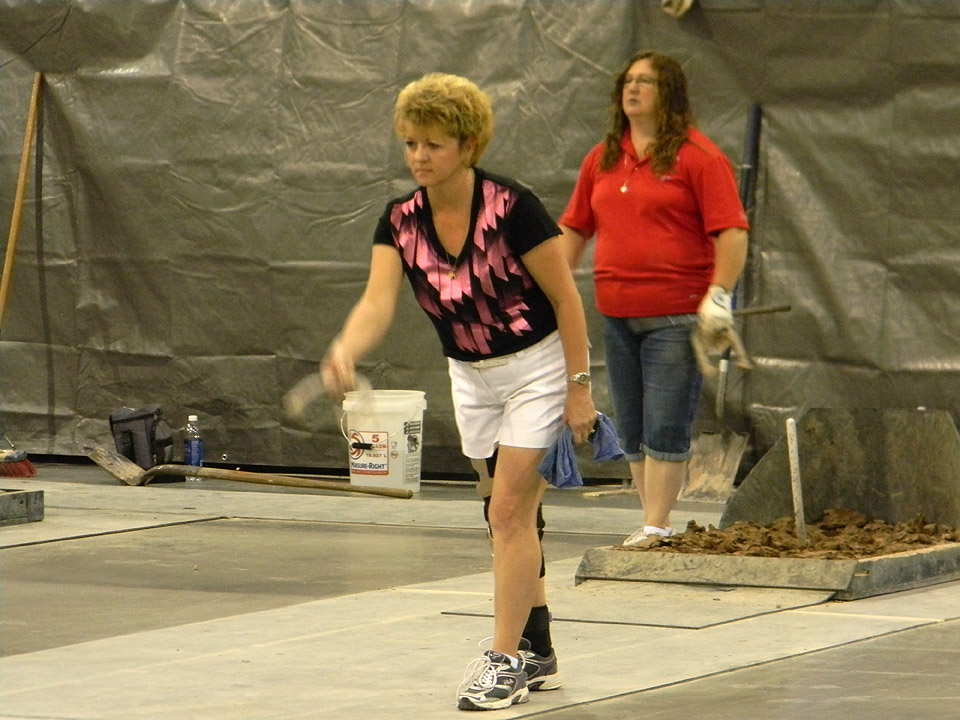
(645, 532)
(492, 683)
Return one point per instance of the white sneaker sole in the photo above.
(521, 696)
(548, 682)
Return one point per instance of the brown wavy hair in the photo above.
(674, 115)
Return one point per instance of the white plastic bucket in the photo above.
(384, 431)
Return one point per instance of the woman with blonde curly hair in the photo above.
(486, 264)
(671, 240)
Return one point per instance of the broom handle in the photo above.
(761, 310)
(18, 199)
(213, 473)
(692, 318)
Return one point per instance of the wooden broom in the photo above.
(13, 462)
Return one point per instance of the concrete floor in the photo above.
(218, 600)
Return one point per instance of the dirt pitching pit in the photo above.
(839, 534)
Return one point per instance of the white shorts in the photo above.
(514, 400)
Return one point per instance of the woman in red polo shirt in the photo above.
(671, 241)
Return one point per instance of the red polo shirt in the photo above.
(655, 251)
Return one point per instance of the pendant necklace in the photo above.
(451, 259)
(452, 262)
(626, 162)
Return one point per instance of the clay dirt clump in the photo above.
(839, 534)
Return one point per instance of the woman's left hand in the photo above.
(579, 413)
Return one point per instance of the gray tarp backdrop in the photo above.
(212, 171)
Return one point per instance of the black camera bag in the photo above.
(142, 435)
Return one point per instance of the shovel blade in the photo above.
(123, 469)
(713, 466)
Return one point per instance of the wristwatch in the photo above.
(580, 378)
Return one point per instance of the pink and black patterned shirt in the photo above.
(483, 303)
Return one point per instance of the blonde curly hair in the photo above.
(452, 103)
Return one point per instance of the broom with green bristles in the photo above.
(13, 462)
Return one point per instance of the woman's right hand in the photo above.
(338, 371)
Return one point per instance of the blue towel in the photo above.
(559, 465)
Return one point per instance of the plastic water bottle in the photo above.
(192, 444)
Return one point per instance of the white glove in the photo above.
(715, 311)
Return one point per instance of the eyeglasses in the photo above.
(639, 80)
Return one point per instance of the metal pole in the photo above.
(795, 486)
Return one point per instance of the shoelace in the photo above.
(480, 672)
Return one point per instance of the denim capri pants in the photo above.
(654, 385)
